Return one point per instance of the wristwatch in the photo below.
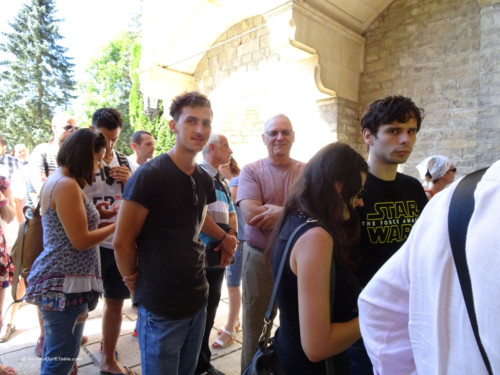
(232, 229)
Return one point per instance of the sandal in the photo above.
(237, 328)
(11, 328)
(219, 344)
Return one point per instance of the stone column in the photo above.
(488, 123)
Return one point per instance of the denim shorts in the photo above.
(170, 346)
(233, 271)
(62, 339)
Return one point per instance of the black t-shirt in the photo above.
(389, 212)
(171, 280)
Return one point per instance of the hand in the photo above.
(121, 173)
(104, 213)
(227, 247)
(130, 282)
(267, 219)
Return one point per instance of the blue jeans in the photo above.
(359, 360)
(62, 339)
(233, 271)
(170, 346)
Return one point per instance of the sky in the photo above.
(87, 25)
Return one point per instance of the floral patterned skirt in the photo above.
(6, 267)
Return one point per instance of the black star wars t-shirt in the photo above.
(389, 212)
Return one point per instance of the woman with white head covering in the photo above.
(438, 171)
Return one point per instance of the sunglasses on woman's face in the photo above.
(361, 193)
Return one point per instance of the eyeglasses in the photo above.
(454, 170)
(195, 191)
(109, 179)
(274, 133)
(361, 193)
(69, 128)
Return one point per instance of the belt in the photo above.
(259, 249)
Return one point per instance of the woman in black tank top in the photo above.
(311, 331)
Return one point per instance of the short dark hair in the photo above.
(77, 154)
(389, 109)
(107, 118)
(188, 99)
(137, 136)
(314, 193)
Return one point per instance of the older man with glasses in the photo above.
(263, 186)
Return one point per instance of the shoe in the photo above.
(85, 339)
(116, 353)
(11, 328)
(213, 371)
(219, 344)
(39, 347)
(134, 333)
(236, 328)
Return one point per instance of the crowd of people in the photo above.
(165, 231)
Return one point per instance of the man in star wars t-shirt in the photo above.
(393, 201)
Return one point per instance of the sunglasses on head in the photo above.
(361, 193)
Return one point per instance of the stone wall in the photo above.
(429, 50)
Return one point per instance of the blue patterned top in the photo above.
(63, 276)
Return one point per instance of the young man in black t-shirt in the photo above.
(157, 247)
(393, 201)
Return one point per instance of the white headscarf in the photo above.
(436, 166)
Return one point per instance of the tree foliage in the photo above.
(156, 123)
(107, 84)
(36, 77)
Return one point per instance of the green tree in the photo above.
(107, 84)
(36, 77)
(156, 123)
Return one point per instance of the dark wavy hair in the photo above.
(107, 118)
(389, 109)
(77, 154)
(188, 99)
(314, 193)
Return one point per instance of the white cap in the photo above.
(436, 166)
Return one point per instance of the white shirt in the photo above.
(412, 313)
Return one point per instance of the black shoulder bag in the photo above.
(461, 209)
(265, 360)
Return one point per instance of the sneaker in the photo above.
(213, 371)
(134, 333)
(39, 347)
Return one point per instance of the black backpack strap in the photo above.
(460, 212)
(123, 160)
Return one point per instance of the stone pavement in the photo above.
(18, 352)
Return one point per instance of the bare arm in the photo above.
(67, 200)
(131, 218)
(234, 192)
(7, 212)
(258, 215)
(311, 262)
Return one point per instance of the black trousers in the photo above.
(215, 277)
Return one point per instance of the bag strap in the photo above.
(460, 212)
(267, 318)
(330, 362)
